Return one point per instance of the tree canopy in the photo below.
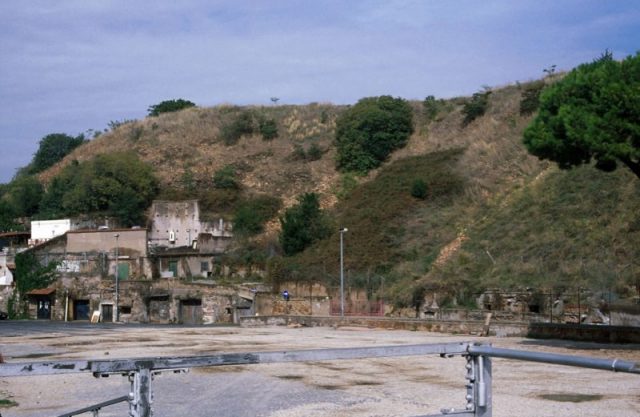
(303, 224)
(370, 130)
(118, 184)
(169, 106)
(52, 149)
(593, 113)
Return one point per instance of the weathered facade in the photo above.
(175, 224)
(160, 285)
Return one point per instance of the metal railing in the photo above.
(140, 371)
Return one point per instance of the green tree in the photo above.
(169, 106)
(25, 193)
(419, 189)
(30, 275)
(370, 130)
(303, 224)
(117, 184)
(592, 113)
(52, 149)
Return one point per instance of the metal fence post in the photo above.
(140, 404)
(482, 386)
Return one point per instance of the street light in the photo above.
(116, 315)
(342, 232)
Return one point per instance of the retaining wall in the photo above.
(442, 326)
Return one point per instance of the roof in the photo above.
(42, 291)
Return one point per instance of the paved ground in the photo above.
(407, 386)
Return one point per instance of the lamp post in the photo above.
(342, 232)
(116, 317)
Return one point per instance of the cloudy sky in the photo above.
(67, 66)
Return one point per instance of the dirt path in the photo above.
(369, 387)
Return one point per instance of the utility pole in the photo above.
(342, 232)
(116, 313)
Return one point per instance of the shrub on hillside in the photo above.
(419, 189)
(268, 129)
(226, 178)
(476, 107)
(240, 126)
(303, 224)
(430, 107)
(251, 214)
(530, 100)
(169, 106)
(370, 130)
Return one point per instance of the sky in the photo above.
(67, 66)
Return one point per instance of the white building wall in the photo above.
(6, 277)
(43, 230)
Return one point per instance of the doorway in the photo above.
(81, 310)
(191, 311)
(44, 308)
(107, 313)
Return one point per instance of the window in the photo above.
(125, 310)
(204, 266)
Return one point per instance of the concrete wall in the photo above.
(177, 223)
(454, 327)
(131, 242)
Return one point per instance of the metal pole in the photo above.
(342, 231)
(116, 316)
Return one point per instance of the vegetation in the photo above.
(592, 113)
(303, 224)
(241, 125)
(116, 184)
(430, 107)
(476, 107)
(52, 149)
(169, 106)
(566, 231)
(531, 98)
(268, 129)
(252, 213)
(370, 130)
(226, 178)
(30, 275)
(419, 189)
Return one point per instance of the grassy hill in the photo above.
(494, 216)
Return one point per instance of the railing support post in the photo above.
(141, 394)
(482, 386)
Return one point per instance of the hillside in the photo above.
(494, 215)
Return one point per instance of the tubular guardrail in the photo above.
(141, 370)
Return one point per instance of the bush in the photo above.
(531, 98)
(314, 152)
(430, 107)
(241, 125)
(419, 189)
(268, 129)
(476, 107)
(303, 224)
(370, 130)
(226, 178)
(251, 214)
(169, 106)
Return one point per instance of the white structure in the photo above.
(178, 224)
(43, 230)
(6, 277)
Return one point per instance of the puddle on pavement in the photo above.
(571, 398)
